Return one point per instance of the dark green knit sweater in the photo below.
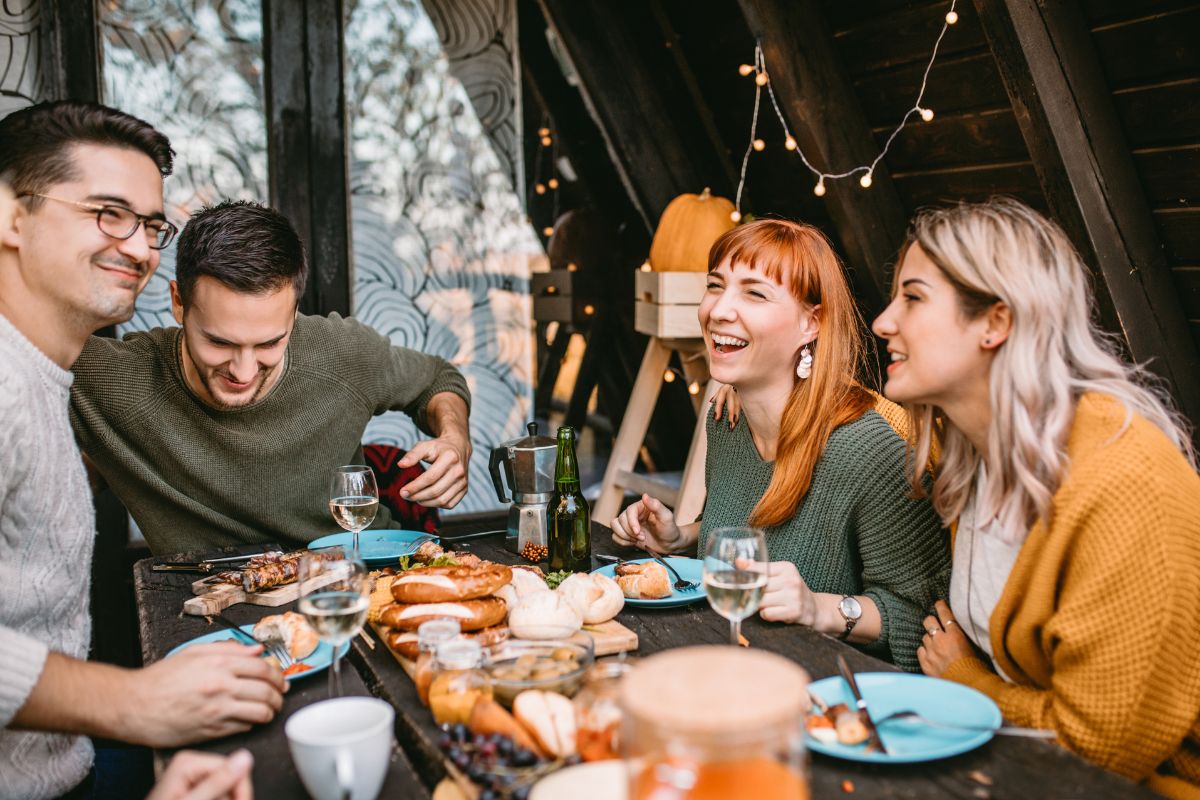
(195, 477)
(856, 532)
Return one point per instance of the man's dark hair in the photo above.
(246, 246)
(36, 142)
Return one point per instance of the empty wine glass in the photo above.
(735, 574)
(353, 498)
(334, 599)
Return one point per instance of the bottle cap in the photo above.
(436, 631)
(459, 654)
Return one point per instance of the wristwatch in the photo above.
(851, 611)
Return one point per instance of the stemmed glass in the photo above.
(353, 498)
(334, 599)
(735, 574)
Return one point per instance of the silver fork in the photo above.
(276, 648)
(1005, 730)
(680, 584)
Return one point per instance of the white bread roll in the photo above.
(524, 582)
(550, 717)
(544, 615)
(290, 628)
(598, 597)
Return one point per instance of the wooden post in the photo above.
(307, 140)
(822, 109)
(71, 51)
(1053, 77)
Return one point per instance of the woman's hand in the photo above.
(193, 775)
(787, 597)
(726, 399)
(944, 642)
(647, 524)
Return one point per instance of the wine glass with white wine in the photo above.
(334, 599)
(353, 498)
(735, 574)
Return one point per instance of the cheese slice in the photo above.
(436, 610)
(440, 581)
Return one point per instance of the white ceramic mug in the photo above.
(342, 747)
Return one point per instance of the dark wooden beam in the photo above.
(824, 114)
(70, 50)
(641, 103)
(1050, 69)
(307, 139)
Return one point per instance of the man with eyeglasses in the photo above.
(77, 244)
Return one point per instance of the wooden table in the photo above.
(1016, 768)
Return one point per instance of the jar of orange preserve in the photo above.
(712, 723)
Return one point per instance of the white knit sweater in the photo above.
(47, 533)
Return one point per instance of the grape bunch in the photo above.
(502, 769)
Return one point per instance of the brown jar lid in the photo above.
(715, 690)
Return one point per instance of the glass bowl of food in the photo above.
(551, 665)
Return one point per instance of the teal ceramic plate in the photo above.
(909, 741)
(690, 569)
(379, 548)
(317, 661)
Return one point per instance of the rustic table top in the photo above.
(1003, 768)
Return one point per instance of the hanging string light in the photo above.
(547, 141)
(757, 144)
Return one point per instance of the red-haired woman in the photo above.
(811, 458)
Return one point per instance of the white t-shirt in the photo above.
(981, 566)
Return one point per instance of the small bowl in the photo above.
(503, 658)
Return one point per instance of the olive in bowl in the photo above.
(550, 665)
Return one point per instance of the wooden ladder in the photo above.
(619, 477)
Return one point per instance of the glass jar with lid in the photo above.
(460, 681)
(701, 723)
(429, 636)
(598, 710)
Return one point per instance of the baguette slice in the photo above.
(550, 717)
(490, 717)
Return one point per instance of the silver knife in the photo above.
(873, 741)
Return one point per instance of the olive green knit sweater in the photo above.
(857, 531)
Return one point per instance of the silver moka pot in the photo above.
(529, 471)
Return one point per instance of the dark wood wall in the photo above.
(1124, 184)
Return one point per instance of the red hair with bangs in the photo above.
(801, 259)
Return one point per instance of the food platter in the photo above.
(690, 569)
(317, 661)
(910, 742)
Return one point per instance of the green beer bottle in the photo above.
(570, 520)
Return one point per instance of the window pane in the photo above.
(442, 250)
(194, 71)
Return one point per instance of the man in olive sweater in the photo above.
(226, 430)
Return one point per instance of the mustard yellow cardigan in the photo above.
(1099, 623)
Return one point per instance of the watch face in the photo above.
(850, 607)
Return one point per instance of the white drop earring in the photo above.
(804, 366)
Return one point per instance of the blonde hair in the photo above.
(801, 259)
(1004, 251)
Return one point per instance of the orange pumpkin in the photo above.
(687, 230)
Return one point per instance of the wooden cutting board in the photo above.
(213, 596)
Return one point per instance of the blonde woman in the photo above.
(1075, 594)
(810, 460)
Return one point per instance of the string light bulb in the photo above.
(551, 290)
(819, 189)
(735, 215)
(540, 188)
(865, 181)
(547, 231)
(760, 79)
(645, 266)
(693, 388)
(546, 141)
(669, 376)
(745, 69)
(553, 182)
(543, 131)
(572, 266)
(951, 17)
(926, 114)
(588, 310)
(759, 145)
(790, 143)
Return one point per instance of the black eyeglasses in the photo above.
(122, 223)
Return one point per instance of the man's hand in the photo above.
(192, 775)
(787, 597)
(445, 479)
(204, 692)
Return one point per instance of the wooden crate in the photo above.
(666, 303)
